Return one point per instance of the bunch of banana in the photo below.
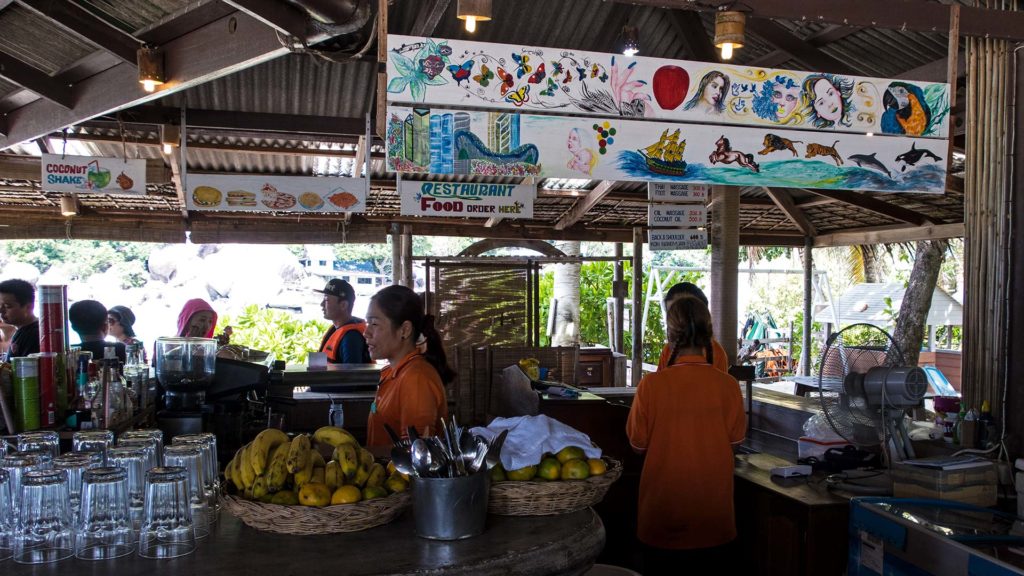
(273, 468)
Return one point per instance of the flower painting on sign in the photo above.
(509, 77)
(501, 143)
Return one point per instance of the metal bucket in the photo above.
(450, 508)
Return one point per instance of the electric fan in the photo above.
(864, 388)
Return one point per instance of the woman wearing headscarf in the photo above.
(411, 390)
(686, 419)
(199, 320)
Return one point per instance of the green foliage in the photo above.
(277, 331)
(798, 339)
(83, 258)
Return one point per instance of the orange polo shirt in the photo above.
(721, 361)
(686, 417)
(409, 394)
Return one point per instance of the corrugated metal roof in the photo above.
(134, 15)
(38, 41)
(866, 303)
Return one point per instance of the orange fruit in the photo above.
(371, 492)
(346, 495)
(524, 473)
(597, 466)
(549, 469)
(498, 473)
(570, 453)
(314, 494)
(575, 469)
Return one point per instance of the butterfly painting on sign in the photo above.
(499, 143)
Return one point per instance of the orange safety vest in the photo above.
(331, 344)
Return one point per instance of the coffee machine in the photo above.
(185, 369)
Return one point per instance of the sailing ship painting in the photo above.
(666, 155)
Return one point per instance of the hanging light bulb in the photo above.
(630, 41)
(729, 32)
(68, 205)
(473, 11)
(170, 136)
(151, 67)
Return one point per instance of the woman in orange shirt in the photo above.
(411, 390)
(686, 418)
(678, 290)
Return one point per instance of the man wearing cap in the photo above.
(344, 342)
(17, 301)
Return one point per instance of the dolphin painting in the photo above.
(913, 156)
(869, 161)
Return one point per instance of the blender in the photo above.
(185, 369)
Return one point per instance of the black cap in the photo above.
(340, 288)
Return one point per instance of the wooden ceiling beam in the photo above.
(17, 72)
(583, 205)
(866, 202)
(784, 201)
(691, 32)
(280, 16)
(80, 22)
(799, 49)
(889, 235)
(290, 124)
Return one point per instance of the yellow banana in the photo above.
(236, 470)
(277, 470)
(319, 475)
(298, 453)
(317, 458)
(361, 476)
(302, 477)
(347, 459)
(227, 470)
(265, 441)
(333, 476)
(259, 487)
(376, 477)
(333, 436)
(248, 474)
(395, 483)
(365, 457)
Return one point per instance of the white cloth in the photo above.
(529, 437)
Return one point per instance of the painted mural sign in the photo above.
(95, 174)
(674, 192)
(677, 239)
(444, 142)
(467, 199)
(511, 77)
(300, 194)
(677, 215)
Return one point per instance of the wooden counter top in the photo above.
(517, 545)
(810, 491)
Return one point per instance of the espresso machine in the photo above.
(184, 368)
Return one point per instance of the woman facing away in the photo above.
(686, 419)
(411, 390)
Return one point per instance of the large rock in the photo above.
(21, 271)
(164, 262)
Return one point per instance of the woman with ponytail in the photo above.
(686, 418)
(411, 390)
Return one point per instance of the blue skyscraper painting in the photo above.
(442, 143)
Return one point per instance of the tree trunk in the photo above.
(917, 300)
(872, 271)
(567, 292)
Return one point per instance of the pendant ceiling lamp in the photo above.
(630, 41)
(729, 27)
(151, 67)
(473, 11)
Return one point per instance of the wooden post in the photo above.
(638, 290)
(396, 256)
(805, 341)
(619, 293)
(408, 279)
(725, 241)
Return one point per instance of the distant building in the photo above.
(502, 132)
(442, 143)
(416, 136)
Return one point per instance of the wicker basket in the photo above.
(543, 498)
(306, 520)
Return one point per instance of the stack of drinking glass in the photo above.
(104, 500)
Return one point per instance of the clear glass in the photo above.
(167, 530)
(103, 529)
(153, 433)
(208, 443)
(96, 459)
(6, 517)
(75, 465)
(17, 465)
(150, 445)
(43, 454)
(92, 441)
(39, 440)
(8, 444)
(44, 529)
(190, 457)
(133, 460)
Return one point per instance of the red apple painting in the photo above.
(670, 86)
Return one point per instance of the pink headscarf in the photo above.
(191, 307)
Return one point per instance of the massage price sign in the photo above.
(677, 239)
(467, 199)
(93, 174)
(674, 191)
(677, 215)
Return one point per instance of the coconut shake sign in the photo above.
(93, 174)
(467, 200)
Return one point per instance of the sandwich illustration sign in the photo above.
(466, 199)
(93, 174)
(302, 194)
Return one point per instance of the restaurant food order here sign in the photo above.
(467, 199)
(95, 174)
